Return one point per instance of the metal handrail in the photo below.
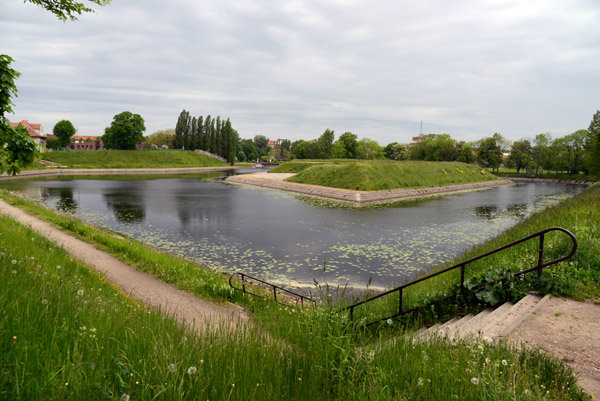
(244, 276)
(540, 265)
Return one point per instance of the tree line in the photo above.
(205, 133)
(573, 153)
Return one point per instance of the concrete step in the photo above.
(456, 326)
(493, 328)
(475, 327)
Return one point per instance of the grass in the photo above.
(65, 333)
(511, 172)
(578, 277)
(376, 175)
(131, 159)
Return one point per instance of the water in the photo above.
(286, 239)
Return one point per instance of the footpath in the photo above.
(186, 308)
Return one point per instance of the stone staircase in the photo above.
(489, 324)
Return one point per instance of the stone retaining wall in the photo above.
(549, 180)
(110, 171)
(360, 198)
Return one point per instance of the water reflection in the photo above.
(127, 206)
(65, 201)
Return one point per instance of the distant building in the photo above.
(84, 142)
(415, 140)
(275, 144)
(36, 132)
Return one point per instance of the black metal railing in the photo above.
(286, 294)
(462, 265)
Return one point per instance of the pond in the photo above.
(286, 239)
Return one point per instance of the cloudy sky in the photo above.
(291, 69)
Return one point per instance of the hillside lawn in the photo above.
(92, 159)
(377, 175)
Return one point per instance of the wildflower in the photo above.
(125, 397)
(390, 322)
(487, 360)
(420, 382)
(192, 370)
(80, 292)
(504, 362)
(58, 267)
(475, 380)
(44, 302)
(14, 339)
(299, 379)
(14, 272)
(14, 262)
(526, 392)
(172, 368)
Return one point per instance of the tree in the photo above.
(64, 130)
(17, 149)
(464, 152)
(347, 147)
(369, 149)
(489, 153)
(67, 9)
(160, 138)
(285, 150)
(434, 147)
(125, 131)
(541, 154)
(396, 151)
(521, 155)
(324, 144)
(593, 145)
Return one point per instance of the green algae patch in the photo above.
(378, 175)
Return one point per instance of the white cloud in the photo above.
(293, 68)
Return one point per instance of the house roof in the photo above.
(35, 130)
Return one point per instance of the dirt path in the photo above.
(569, 330)
(139, 285)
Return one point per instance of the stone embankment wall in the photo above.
(110, 171)
(549, 180)
(359, 198)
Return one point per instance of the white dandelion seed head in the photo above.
(59, 267)
(14, 262)
(172, 368)
(504, 362)
(390, 322)
(14, 272)
(44, 302)
(475, 380)
(192, 370)
(125, 397)
(80, 292)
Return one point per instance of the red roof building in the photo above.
(36, 132)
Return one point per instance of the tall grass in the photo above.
(131, 159)
(375, 175)
(65, 333)
(578, 277)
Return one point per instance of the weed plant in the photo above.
(131, 159)
(67, 334)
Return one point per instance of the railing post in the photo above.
(400, 301)
(243, 283)
(540, 259)
(352, 313)
(275, 293)
(462, 279)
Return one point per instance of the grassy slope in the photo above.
(578, 277)
(67, 334)
(374, 175)
(131, 159)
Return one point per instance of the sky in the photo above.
(291, 69)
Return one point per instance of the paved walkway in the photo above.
(144, 287)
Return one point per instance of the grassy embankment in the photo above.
(131, 159)
(67, 334)
(511, 172)
(376, 175)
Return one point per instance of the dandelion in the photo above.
(58, 267)
(44, 302)
(420, 383)
(487, 360)
(390, 322)
(172, 368)
(14, 262)
(475, 380)
(192, 370)
(125, 397)
(504, 362)
(14, 339)
(80, 292)
(527, 392)
(14, 272)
